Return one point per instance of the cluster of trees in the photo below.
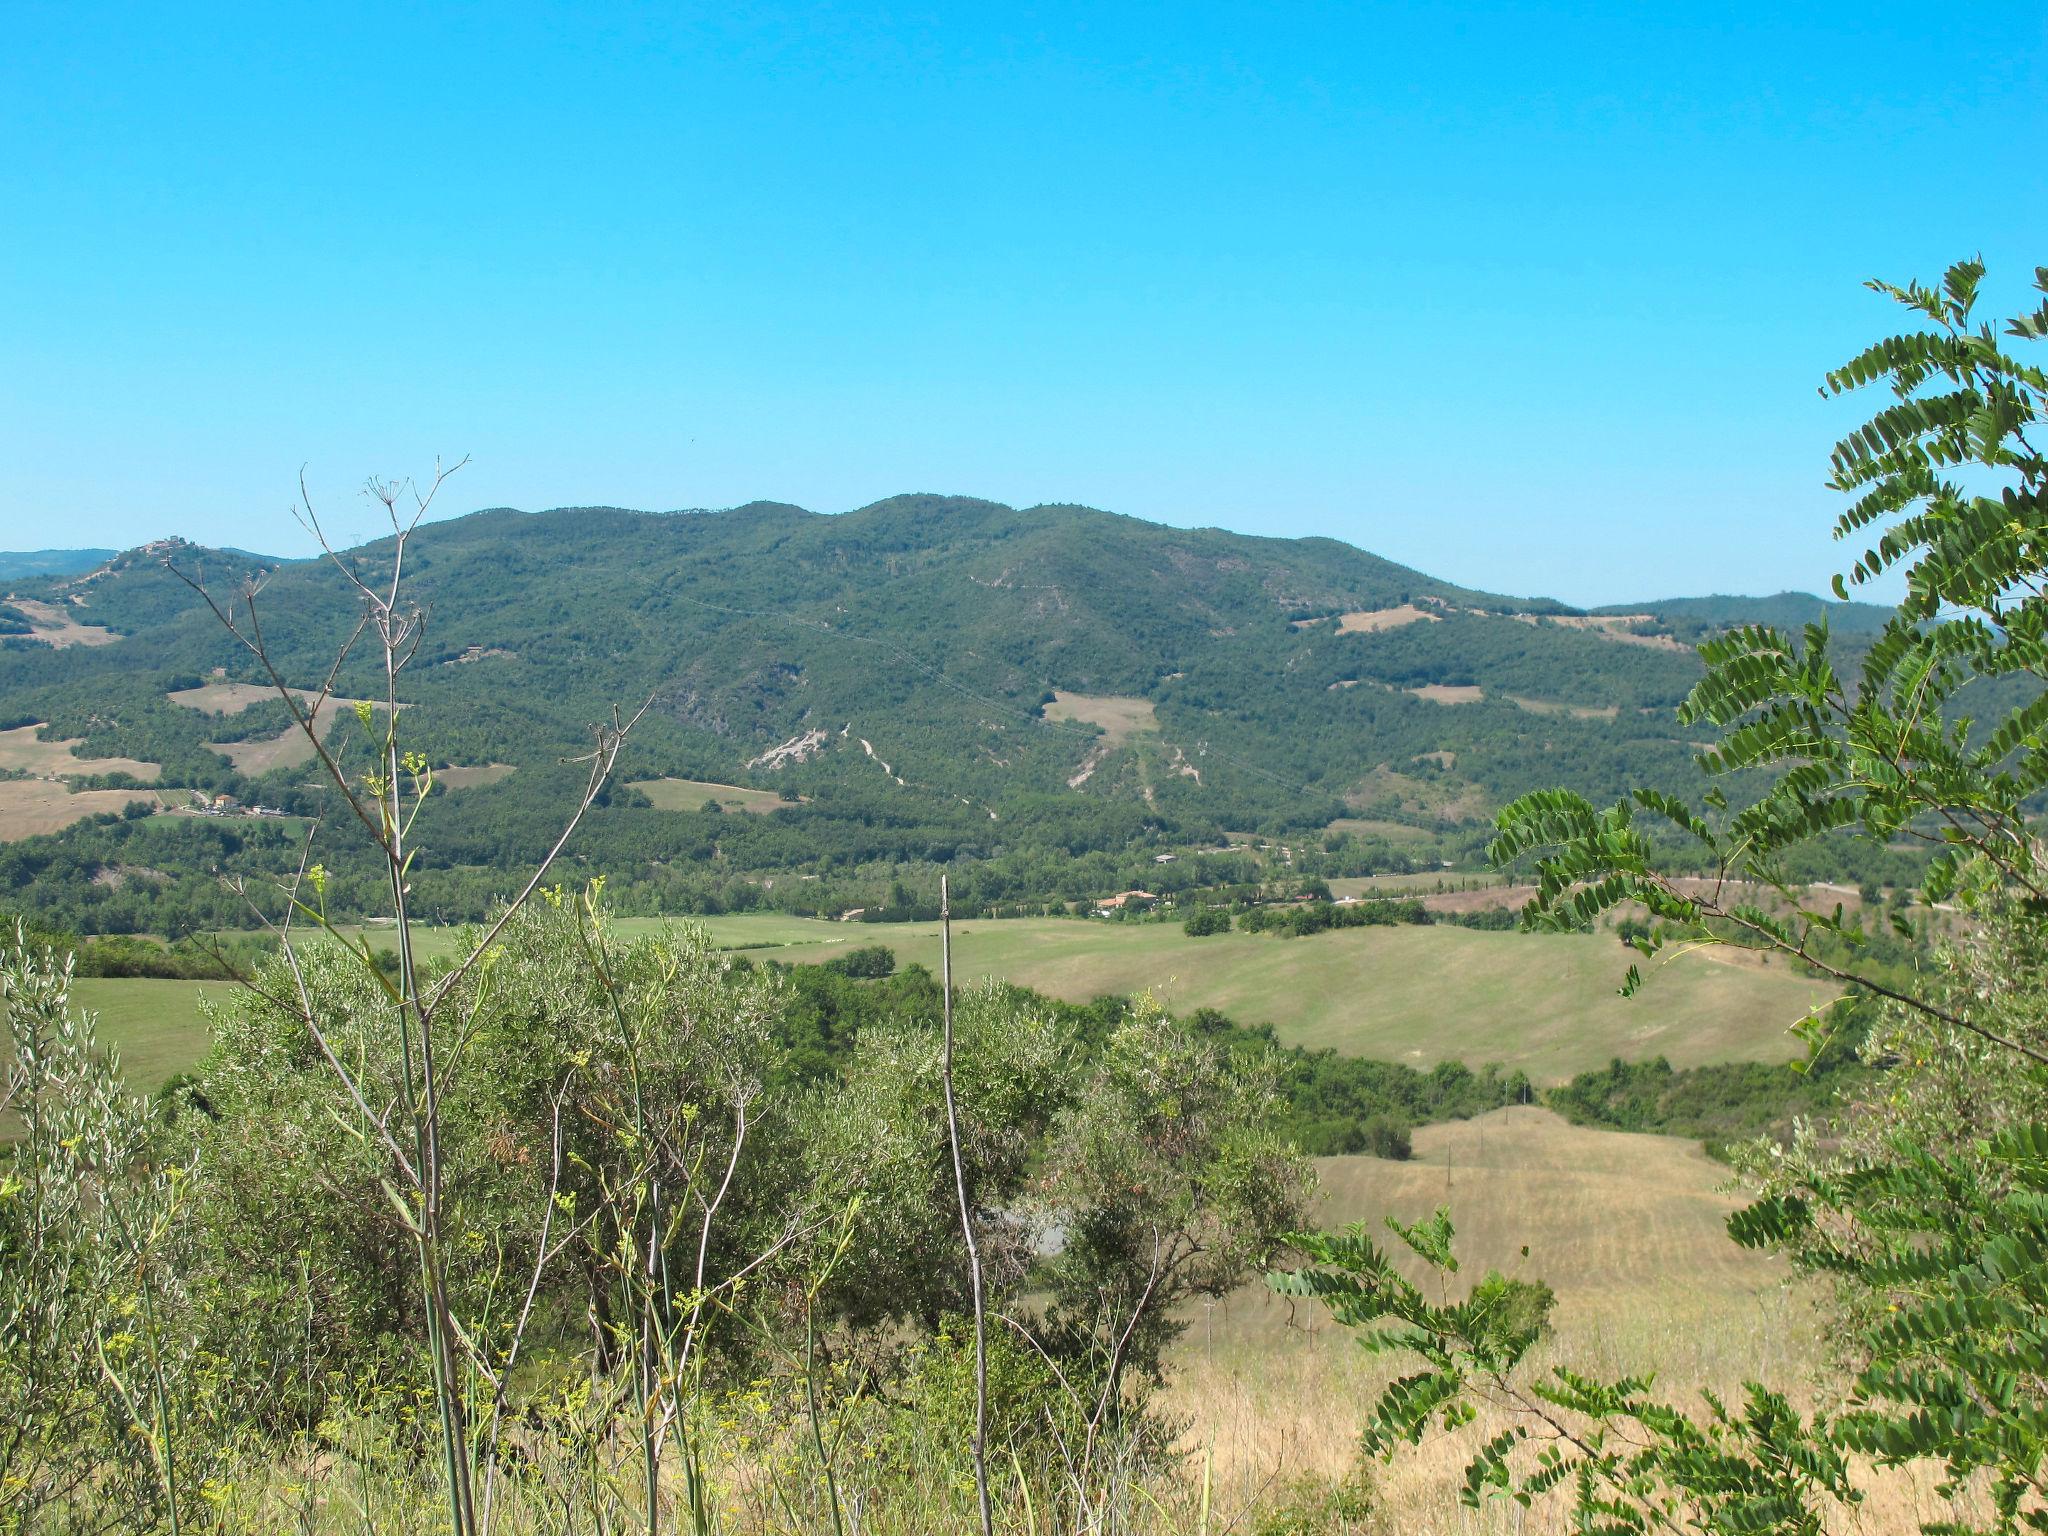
(1724, 1104)
(784, 1123)
(1300, 918)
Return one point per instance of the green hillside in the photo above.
(884, 674)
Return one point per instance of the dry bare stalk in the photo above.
(966, 1214)
(383, 813)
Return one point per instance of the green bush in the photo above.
(1384, 1136)
(869, 962)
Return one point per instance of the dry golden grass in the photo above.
(1629, 1231)
(57, 627)
(1120, 717)
(1371, 621)
(1448, 693)
(1610, 626)
(287, 749)
(31, 807)
(467, 778)
(233, 698)
(22, 749)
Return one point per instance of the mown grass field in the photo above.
(1628, 1230)
(155, 1025)
(695, 794)
(1544, 1003)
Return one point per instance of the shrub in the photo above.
(1385, 1136)
(869, 962)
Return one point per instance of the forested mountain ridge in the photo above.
(922, 677)
(17, 564)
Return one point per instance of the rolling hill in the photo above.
(20, 564)
(1058, 693)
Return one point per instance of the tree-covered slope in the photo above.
(924, 677)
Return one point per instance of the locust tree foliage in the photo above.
(1937, 1228)
(1950, 490)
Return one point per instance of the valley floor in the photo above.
(1544, 1003)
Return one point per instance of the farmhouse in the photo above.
(1123, 899)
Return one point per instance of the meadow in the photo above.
(1272, 1391)
(1546, 1004)
(31, 807)
(156, 1025)
(696, 794)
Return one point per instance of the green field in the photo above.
(695, 794)
(746, 931)
(154, 1024)
(1544, 1003)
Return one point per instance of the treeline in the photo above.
(1299, 919)
(1330, 1104)
(1722, 1103)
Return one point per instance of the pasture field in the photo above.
(289, 748)
(31, 807)
(23, 750)
(1627, 1229)
(1386, 887)
(466, 778)
(1120, 717)
(155, 1024)
(1449, 693)
(1553, 707)
(1610, 626)
(747, 930)
(1392, 831)
(56, 626)
(1372, 621)
(695, 794)
(233, 698)
(1543, 1002)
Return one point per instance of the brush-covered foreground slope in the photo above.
(923, 678)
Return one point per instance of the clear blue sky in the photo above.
(1512, 294)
